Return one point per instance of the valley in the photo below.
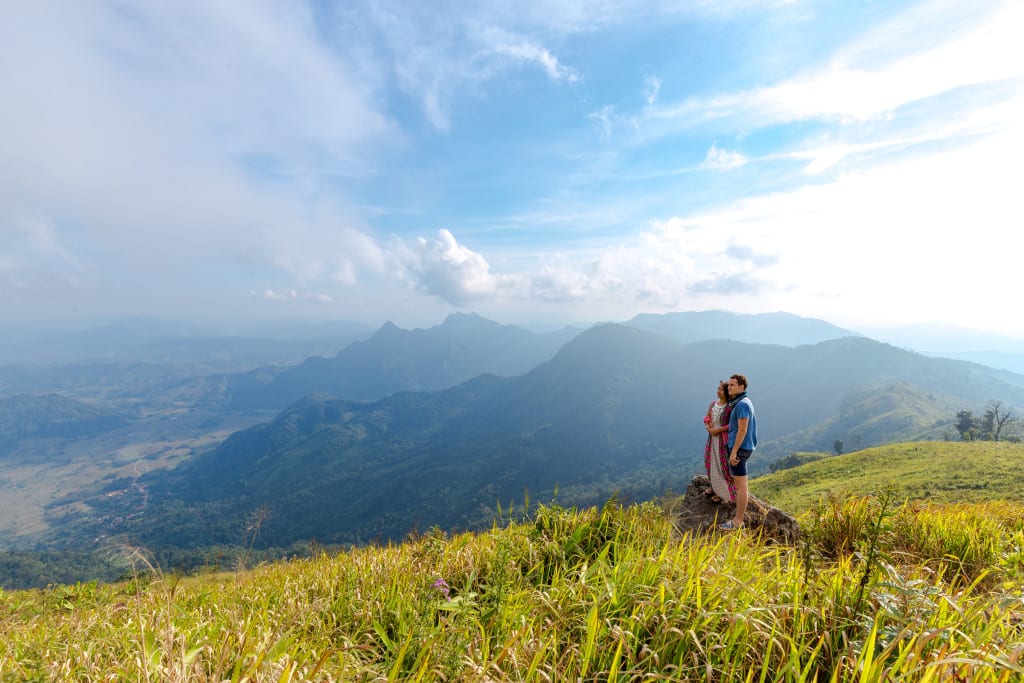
(44, 478)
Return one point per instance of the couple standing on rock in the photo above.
(732, 437)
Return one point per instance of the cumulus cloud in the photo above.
(665, 267)
(625, 273)
(558, 284)
(447, 270)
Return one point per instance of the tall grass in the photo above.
(603, 594)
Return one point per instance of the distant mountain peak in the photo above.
(785, 329)
(388, 329)
(459, 315)
(467, 320)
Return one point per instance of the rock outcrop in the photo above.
(696, 512)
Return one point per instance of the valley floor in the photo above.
(39, 473)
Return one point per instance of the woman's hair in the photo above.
(724, 384)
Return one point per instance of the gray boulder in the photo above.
(695, 512)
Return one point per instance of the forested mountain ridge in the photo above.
(50, 415)
(392, 360)
(780, 328)
(616, 409)
(464, 346)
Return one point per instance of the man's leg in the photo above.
(741, 499)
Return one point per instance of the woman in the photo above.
(716, 452)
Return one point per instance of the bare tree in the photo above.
(998, 418)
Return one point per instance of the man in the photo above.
(741, 444)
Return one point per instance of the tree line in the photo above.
(992, 425)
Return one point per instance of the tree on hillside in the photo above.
(966, 425)
(991, 425)
(837, 446)
(996, 419)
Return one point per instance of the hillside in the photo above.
(931, 471)
(878, 414)
(617, 409)
(51, 415)
(607, 594)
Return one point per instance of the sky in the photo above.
(536, 163)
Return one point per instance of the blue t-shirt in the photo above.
(743, 408)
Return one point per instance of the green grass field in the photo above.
(935, 471)
(878, 590)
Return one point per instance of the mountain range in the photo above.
(616, 409)
(463, 346)
(391, 360)
(780, 328)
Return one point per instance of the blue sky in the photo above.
(543, 162)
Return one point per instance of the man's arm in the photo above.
(741, 433)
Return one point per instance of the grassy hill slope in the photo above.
(933, 471)
(593, 595)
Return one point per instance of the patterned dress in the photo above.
(716, 455)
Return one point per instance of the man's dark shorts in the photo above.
(740, 470)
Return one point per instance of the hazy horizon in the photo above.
(209, 326)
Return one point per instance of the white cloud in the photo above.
(293, 295)
(528, 52)
(655, 269)
(152, 138)
(32, 247)
(447, 270)
(652, 85)
(845, 90)
(911, 241)
(193, 141)
(437, 56)
(723, 160)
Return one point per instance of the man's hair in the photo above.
(740, 379)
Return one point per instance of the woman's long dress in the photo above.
(716, 455)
